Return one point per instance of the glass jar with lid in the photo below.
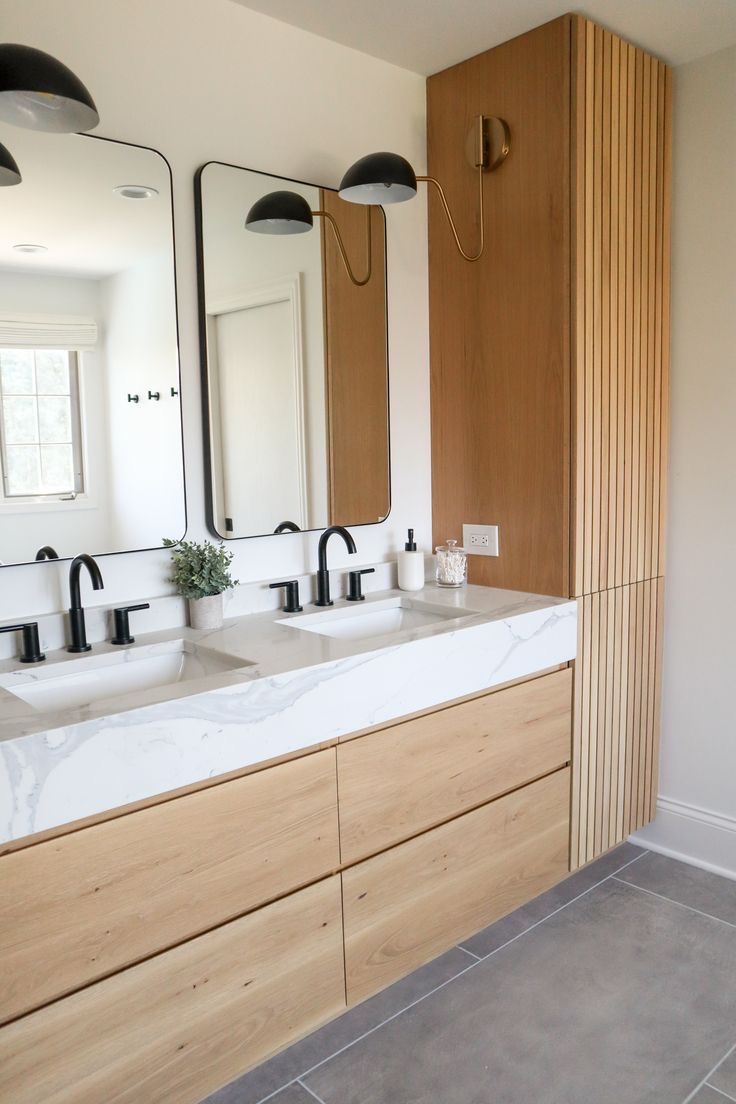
(452, 565)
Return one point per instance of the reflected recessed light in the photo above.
(135, 191)
(29, 247)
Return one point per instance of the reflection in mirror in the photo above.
(295, 373)
(91, 459)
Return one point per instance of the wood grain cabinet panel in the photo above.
(405, 906)
(404, 779)
(84, 905)
(176, 1027)
(550, 363)
(618, 686)
(621, 108)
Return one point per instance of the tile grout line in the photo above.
(671, 901)
(708, 1075)
(478, 958)
(725, 1095)
(461, 973)
(549, 916)
(359, 1038)
(307, 1089)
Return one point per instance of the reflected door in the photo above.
(261, 411)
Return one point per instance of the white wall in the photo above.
(697, 809)
(66, 526)
(208, 80)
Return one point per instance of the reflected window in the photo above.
(40, 424)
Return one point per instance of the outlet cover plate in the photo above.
(480, 540)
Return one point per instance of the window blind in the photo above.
(29, 331)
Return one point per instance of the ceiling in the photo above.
(428, 35)
(65, 201)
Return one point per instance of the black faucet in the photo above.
(287, 527)
(76, 613)
(47, 553)
(323, 575)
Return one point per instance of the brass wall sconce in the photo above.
(281, 213)
(389, 178)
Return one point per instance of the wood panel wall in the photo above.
(616, 716)
(499, 328)
(550, 371)
(356, 366)
(621, 216)
(621, 101)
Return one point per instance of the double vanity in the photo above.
(83, 734)
(265, 824)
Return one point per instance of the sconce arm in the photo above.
(451, 221)
(340, 245)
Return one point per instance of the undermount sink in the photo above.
(387, 617)
(87, 680)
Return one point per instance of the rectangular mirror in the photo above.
(294, 359)
(90, 419)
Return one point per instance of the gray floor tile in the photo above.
(706, 1095)
(493, 937)
(622, 998)
(687, 884)
(725, 1076)
(290, 1063)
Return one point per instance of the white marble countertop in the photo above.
(296, 689)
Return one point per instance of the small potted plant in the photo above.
(201, 574)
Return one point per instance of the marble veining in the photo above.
(301, 689)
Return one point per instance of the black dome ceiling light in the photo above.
(283, 213)
(9, 171)
(40, 93)
(389, 178)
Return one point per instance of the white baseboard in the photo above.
(693, 835)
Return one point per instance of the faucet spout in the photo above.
(323, 575)
(76, 612)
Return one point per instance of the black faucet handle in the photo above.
(292, 595)
(31, 652)
(355, 593)
(122, 624)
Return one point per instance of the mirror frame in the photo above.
(155, 547)
(203, 356)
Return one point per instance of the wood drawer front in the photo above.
(410, 903)
(401, 781)
(89, 903)
(176, 1027)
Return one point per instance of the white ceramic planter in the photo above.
(206, 613)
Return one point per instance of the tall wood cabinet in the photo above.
(549, 372)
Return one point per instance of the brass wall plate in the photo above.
(488, 142)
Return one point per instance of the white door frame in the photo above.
(287, 289)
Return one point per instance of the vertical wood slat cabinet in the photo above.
(549, 371)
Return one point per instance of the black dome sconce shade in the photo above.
(9, 171)
(40, 93)
(282, 213)
(389, 178)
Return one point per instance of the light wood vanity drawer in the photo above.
(176, 1027)
(84, 905)
(404, 779)
(407, 905)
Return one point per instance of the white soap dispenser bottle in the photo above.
(411, 565)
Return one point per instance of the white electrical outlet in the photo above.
(480, 540)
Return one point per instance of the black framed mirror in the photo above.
(293, 330)
(91, 444)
